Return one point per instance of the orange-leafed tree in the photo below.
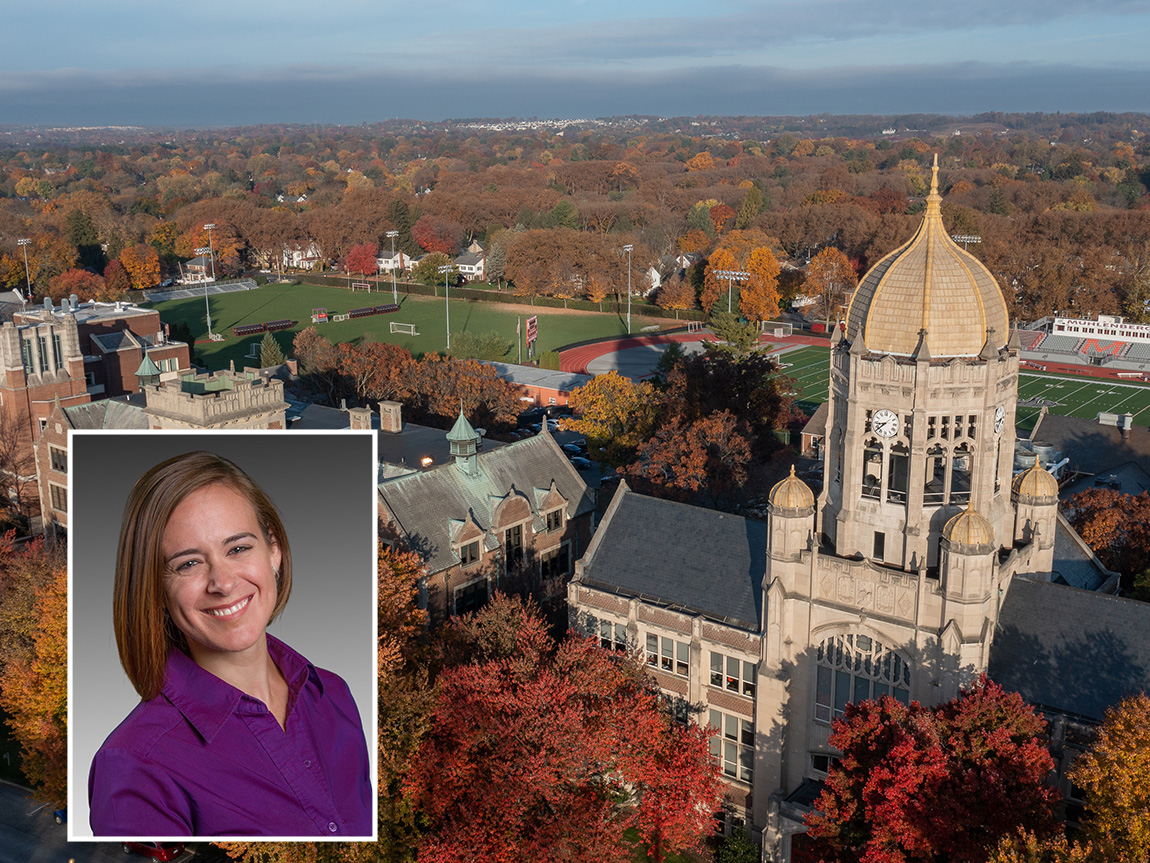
(85, 285)
(142, 263)
(721, 216)
(703, 161)
(1116, 526)
(830, 278)
(34, 688)
(693, 241)
(615, 414)
(533, 746)
(714, 286)
(376, 370)
(676, 293)
(759, 298)
(117, 282)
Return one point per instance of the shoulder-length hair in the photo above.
(144, 633)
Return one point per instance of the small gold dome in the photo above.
(970, 529)
(792, 493)
(1035, 482)
(932, 285)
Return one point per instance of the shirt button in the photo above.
(307, 764)
(331, 828)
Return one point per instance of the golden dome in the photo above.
(792, 493)
(932, 285)
(970, 529)
(1035, 482)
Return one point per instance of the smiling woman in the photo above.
(237, 734)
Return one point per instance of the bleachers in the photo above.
(1061, 344)
(1029, 339)
(198, 290)
(1138, 351)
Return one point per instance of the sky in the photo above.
(240, 62)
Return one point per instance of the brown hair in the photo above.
(144, 633)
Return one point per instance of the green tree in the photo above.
(750, 208)
(739, 336)
(271, 354)
(480, 346)
(426, 272)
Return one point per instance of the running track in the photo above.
(577, 359)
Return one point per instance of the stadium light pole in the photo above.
(628, 248)
(211, 249)
(445, 269)
(208, 309)
(391, 235)
(23, 244)
(731, 276)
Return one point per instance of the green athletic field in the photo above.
(1067, 395)
(276, 302)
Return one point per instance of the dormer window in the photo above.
(555, 519)
(469, 554)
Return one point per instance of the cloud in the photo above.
(334, 94)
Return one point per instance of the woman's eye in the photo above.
(239, 549)
(186, 566)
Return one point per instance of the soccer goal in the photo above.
(408, 329)
(361, 286)
(694, 326)
(253, 350)
(338, 318)
(778, 328)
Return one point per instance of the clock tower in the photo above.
(923, 388)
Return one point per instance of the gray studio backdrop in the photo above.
(324, 487)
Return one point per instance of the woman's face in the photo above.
(219, 572)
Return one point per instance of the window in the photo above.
(26, 355)
(733, 744)
(513, 543)
(821, 762)
(59, 496)
(671, 656)
(879, 546)
(59, 351)
(43, 353)
(853, 668)
(469, 554)
(59, 458)
(732, 674)
(471, 597)
(555, 519)
(556, 562)
(612, 636)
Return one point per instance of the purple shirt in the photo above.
(204, 759)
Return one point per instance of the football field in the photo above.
(809, 368)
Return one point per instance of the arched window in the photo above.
(852, 668)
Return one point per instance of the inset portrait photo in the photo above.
(222, 635)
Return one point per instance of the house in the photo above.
(923, 561)
(198, 270)
(300, 257)
(516, 517)
(470, 265)
(396, 262)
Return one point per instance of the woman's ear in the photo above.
(276, 554)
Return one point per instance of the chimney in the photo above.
(360, 418)
(391, 417)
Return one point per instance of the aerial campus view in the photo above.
(683, 434)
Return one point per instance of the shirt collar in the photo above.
(207, 702)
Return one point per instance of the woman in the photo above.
(237, 734)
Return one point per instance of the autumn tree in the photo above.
(435, 234)
(614, 414)
(1115, 776)
(903, 789)
(830, 278)
(1116, 526)
(361, 258)
(376, 371)
(426, 272)
(676, 293)
(85, 285)
(759, 297)
(142, 263)
(540, 751)
(441, 386)
(116, 281)
(318, 362)
(715, 286)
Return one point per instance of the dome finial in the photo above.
(934, 199)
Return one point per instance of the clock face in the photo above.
(885, 423)
(999, 418)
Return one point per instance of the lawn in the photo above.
(276, 302)
(809, 368)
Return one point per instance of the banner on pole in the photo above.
(532, 328)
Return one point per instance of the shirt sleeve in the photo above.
(129, 797)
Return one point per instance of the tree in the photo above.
(904, 788)
(116, 280)
(1116, 526)
(85, 285)
(142, 263)
(709, 455)
(480, 346)
(540, 751)
(435, 234)
(738, 336)
(34, 685)
(362, 259)
(426, 272)
(83, 235)
(614, 414)
(714, 286)
(830, 277)
(676, 293)
(376, 370)
(750, 208)
(318, 362)
(759, 297)
(1115, 774)
(271, 354)
(441, 386)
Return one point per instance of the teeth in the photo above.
(224, 612)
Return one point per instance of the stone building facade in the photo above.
(224, 399)
(891, 582)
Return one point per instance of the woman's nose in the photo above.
(221, 579)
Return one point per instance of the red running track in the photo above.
(577, 359)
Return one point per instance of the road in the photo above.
(29, 834)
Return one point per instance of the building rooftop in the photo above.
(700, 560)
(530, 376)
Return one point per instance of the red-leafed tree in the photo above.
(377, 370)
(435, 234)
(709, 455)
(362, 259)
(545, 752)
(85, 285)
(116, 279)
(943, 784)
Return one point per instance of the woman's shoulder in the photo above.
(148, 723)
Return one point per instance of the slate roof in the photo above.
(1073, 562)
(530, 376)
(423, 504)
(107, 414)
(1094, 448)
(112, 342)
(1068, 650)
(673, 554)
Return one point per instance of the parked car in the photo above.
(580, 463)
(60, 816)
(158, 852)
